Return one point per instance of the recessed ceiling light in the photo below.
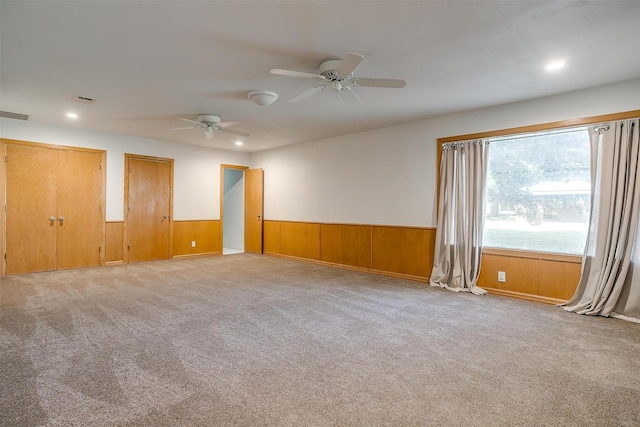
(238, 142)
(72, 115)
(555, 65)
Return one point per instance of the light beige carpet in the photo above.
(254, 340)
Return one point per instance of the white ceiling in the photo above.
(146, 63)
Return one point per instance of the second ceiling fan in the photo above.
(211, 123)
(337, 75)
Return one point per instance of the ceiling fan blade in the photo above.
(191, 121)
(234, 132)
(349, 63)
(227, 124)
(189, 127)
(390, 83)
(306, 94)
(351, 98)
(300, 74)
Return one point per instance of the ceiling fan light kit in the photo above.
(208, 132)
(262, 97)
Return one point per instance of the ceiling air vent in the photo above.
(84, 99)
(16, 116)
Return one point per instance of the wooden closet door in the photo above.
(149, 209)
(31, 203)
(79, 209)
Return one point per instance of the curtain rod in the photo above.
(597, 128)
(546, 132)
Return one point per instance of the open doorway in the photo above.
(233, 211)
(241, 209)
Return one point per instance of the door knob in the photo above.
(61, 218)
(53, 218)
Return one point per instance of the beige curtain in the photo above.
(610, 282)
(458, 251)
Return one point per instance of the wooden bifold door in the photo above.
(54, 215)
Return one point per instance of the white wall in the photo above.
(196, 169)
(233, 231)
(384, 176)
(388, 176)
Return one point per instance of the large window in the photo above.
(539, 192)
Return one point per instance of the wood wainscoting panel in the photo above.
(206, 234)
(272, 237)
(559, 279)
(404, 250)
(300, 239)
(114, 231)
(408, 252)
(346, 244)
(522, 274)
(552, 277)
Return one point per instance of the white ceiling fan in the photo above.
(337, 75)
(211, 123)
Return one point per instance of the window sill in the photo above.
(547, 256)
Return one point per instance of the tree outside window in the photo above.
(539, 192)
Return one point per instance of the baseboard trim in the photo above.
(353, 268)
(500, 292)
(197, 255)
(118, 262)
(421, 279)
(527, 297)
